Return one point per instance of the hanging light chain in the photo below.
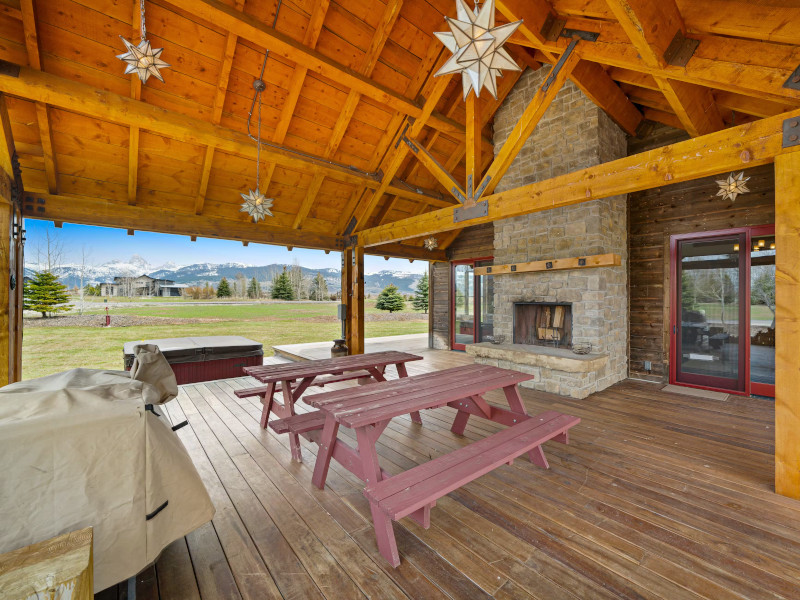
(141, 19)
(258, 145)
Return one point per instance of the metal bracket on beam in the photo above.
(791, 132)
(482, 187)
(552, 27)
(465, 213)
(559, 65)
(350, 227)
(589, 36)
(793, 83)
(350, 241)
(680, 50)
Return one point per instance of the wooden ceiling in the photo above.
(344, 79)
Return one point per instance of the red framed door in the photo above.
(722, 317)
(471, 303)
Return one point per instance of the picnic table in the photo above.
(369, 410)
(293, 379)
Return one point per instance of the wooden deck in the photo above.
(658, 495)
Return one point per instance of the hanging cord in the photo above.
(141, 20)
(258, 145)
(260, 87)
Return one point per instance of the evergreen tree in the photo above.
(45, 294)
(282, 287)
(319, 288)
(254, 289)
(420, 301)
(223, 289)
(390, 299)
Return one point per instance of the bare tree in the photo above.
(49, 251)
(85, 255)
(299, 281)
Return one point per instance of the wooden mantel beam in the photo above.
(748, 145)
(87, 100)
(254, 30)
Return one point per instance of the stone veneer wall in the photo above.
(573, 134)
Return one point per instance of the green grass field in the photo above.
(49, 350)
(758, 312)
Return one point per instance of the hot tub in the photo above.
(196, 359)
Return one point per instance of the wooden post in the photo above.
(353, 284)
(57, 568)
(7, 297)
(473, 146)
(787, 324)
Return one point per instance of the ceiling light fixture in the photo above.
(477, 47)
(733, 186)
(256, 204)
(431, 244)
(143, 59)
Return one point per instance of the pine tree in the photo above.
(223, 289)
(420, 301)
(390, 299)
(282, 287)
(254, 289)
(319, 288)
(45, 294)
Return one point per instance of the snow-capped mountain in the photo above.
(200, 273)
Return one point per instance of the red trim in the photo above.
(453, 264)
(743, 385)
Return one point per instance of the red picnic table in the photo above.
(368, 410)
(293, 379)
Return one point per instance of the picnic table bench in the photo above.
(293, 379)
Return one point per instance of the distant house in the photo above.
(143, 285)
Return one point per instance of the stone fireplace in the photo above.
(573, 134)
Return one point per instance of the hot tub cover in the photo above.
(80, 449)
(195, 349)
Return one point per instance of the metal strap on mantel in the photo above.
(556, 264)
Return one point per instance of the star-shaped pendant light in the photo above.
(257, 205)
(143, 59)
(477, 47)
(732, 186)
(431, 244)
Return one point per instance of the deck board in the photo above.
(658, 495)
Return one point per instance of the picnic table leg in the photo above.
(326, 444)
(288, 405)
(516, 404)
(370, 467)
(401, 372)
(267, 404)
(460, 422)
(384, 534)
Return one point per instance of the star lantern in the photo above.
(431, 244)
(477, 47)
(257, 205)
(143, 60)
(732, 186)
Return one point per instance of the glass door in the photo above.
(472, 304)
(762, 311)
(709, 324)
(463, 305)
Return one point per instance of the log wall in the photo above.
(655, 215)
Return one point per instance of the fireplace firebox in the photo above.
(543, 324)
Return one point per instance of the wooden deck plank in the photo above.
(658, 495)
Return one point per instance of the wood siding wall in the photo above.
(655, 215)
(472, 242)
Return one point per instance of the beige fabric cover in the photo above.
(78, 448)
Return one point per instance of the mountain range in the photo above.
(200, 273)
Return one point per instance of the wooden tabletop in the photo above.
(381, 401)
(327, 366)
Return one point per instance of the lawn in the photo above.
(49, 350)
(758, 312)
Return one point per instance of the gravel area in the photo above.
(100, 320)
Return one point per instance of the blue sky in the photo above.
(104, 244)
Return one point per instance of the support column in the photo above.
(473, 132)
(787, 324)
(353, 296)
(7, 331)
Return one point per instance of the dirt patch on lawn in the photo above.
(100, 320)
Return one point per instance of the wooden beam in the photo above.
(84, 99)
(556, 264)
(601, 89)
(787, 324)
(7, 149)
(396, 159)
(353, 296)
(526, 123)
(308, 201)
(133, 164)
(407, 251)
(205, 174)
(748, 145)
(694, 105)
(473, 146)
(91, 211)
(7, 349)
(254, 30)
(437, 170)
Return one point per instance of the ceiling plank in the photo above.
(308, 201)
(748, 145)
(526, 123)
(250, 28)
